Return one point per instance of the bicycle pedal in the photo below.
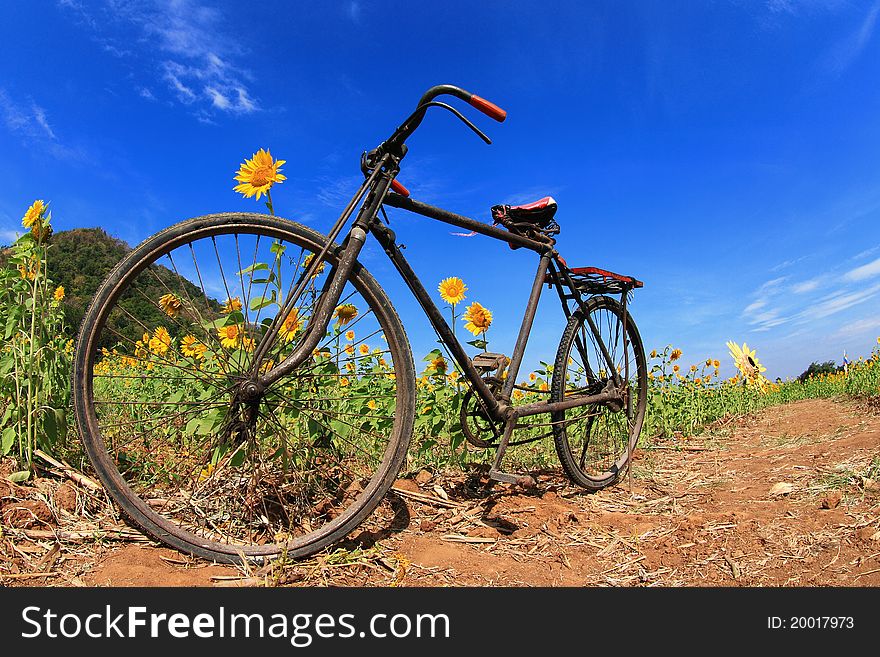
(526, 481)
(489, 361)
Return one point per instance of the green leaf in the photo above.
(434, 353)
(277, 248)
(254, 267)
(479, 344)
(268, 279)
(237, 459)
(50, 428)
(20, 476)
(7, 441)
(260, 302)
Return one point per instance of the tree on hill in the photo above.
(828, 367)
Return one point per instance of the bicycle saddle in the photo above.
(540, 213)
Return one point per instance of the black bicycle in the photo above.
(245, 388)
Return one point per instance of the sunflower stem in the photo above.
(269, 202)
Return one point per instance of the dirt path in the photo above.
(788, 497)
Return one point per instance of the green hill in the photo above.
(80, 259)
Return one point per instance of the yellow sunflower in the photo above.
(349, 349)
(345, 313)
(161, 341)
(258, 174)
(229, 335)
(364, 349)
(746, 362)
(232, 305)
(170, 304)
(34, 214)
(349, 335)
(291, 325)
(439, 365)
(452, 290)
(192, 348)
(478, 319)
(59, 294)
(371, 404)
(308, 261)
(675, 355)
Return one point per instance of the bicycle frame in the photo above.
(379, 194)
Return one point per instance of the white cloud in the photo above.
(8, 236)
(834, 303)
(755, 305)
(865, 271)
(806, 286)
(196, 54)
(867, 327)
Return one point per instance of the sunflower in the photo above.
(229, 335)
(343, 381)
(439, 365)
(452, 290)
(478, 319)
(258, 174)
(247, 343)
(746, 361)
(349, 335)
(59, 294)
(191, 347)
(345, 313)
(170, 304)
(308, 261)
(675, 355)
(232, 305)
(161, 341)
(28, 271)
(371, 404)
(349, 349)
(291, 325)
(34, 214)
(364, 349)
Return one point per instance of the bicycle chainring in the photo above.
(478, 428)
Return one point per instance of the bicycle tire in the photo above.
(214, 487)
(595, 442)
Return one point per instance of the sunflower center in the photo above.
(262, 175)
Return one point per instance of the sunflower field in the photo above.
(35, 365)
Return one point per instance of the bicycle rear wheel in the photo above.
(594, 442)
(163, 356)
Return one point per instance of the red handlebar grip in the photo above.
(400, 189)
(489, 109)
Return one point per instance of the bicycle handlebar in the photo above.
(488, 108)
(396, 141)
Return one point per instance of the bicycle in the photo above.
(264, 425)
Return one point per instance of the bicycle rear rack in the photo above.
(592, 280)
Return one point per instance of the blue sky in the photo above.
(727, 153)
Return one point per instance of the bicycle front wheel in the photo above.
(165, 353)
(594, 442)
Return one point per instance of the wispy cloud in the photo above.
(838, 301)
(846, 51)
(30, 122)
(805, 286)
(198, 56)
(870, 270)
